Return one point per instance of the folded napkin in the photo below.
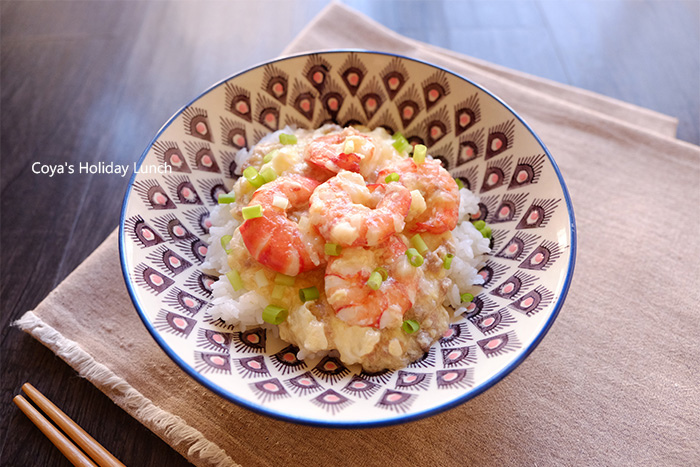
(614, 382)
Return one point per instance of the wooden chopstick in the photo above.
(67, 448)
(95, 450)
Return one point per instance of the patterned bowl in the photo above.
(164, 231)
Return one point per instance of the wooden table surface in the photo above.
(86, 81)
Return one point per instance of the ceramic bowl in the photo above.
(478, 138)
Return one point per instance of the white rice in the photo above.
(245, 308)
(470, 253)
(222, 224)
(468, 204)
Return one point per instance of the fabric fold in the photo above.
(185, 439)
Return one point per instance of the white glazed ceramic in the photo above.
(163, 236)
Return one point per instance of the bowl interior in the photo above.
(164, 232)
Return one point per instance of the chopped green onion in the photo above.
(224, 243)
(268, 174)
(251, 212)
(278, 292)
(375, 280)
(283, 279)
(400, 143)
(419, 152)
(460, 183)
(226, 199)
(419, 244)
(447, 261)
(414, 257)
(235, 279)
(392, 177)
(486, 232)
(308, 294)
(383, 272)
(274, 314)
(251, 174)
(333, 249)
(466, 297)
(410, 326)
(270, 155)
(288, 139)
(479, 225)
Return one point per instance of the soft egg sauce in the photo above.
(314, 326)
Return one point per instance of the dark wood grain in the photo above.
(85, 81)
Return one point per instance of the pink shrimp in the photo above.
(328, 151)
(274, 240)
(439, 190)
(358, 304)
(348, 212)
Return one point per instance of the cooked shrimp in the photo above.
(339, 151)
(276, 241)
(358, 304)
(436, 187)
(348, 212)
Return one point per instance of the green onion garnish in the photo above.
(447, 261)
(466, 297)
(419, 244)
(283, 279)
(375, 280)
(235, 279)
(268, 174)
(460, 183)
(392, 177)
(278, 292)
(288, 139)
(251, 212)
(419, 152)
(400, 143)
(333, 249)
(251, 174)
(226, 199)
(483, 228)
(383, 272)
(414, 257)
(224, 243)
(270, 155)
(410, 326)
(274, 314)
(308, 294)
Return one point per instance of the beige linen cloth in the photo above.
(614, 382)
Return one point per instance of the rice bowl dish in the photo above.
(498, 304)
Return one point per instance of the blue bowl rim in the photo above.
(473, 392)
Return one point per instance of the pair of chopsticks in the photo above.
(100, 456)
